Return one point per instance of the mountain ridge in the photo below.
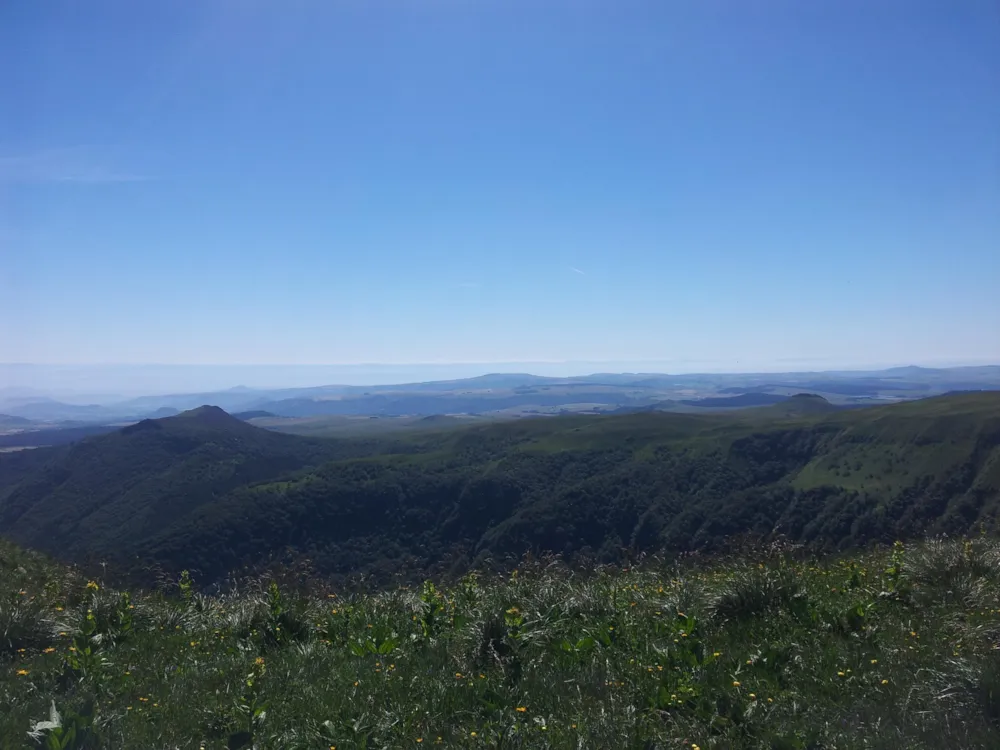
(205, 490)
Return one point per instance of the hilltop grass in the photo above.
(887, 649)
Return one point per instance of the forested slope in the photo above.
(206, 491)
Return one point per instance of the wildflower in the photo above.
(473, 734)
(419, 740)
(521, 709)
(736, 683)
(753, 697)
(840, 674)
(48, 650)
(874, 661)
(22, 673)
(92, 585)
(885, 682)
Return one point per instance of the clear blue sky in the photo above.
(734, 184)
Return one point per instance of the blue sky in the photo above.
(729, 185)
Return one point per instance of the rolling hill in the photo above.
(122, 488)
(8, 420)
(513, 394)
(207, 491)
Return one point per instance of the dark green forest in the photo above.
(207, 492)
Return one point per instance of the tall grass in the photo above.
(891, 648)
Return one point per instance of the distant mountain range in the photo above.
(207, 491)
(521, 394)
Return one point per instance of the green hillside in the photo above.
(206, 491)
(108, 495)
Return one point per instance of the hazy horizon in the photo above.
(128, 381)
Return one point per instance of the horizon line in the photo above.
(828, 365)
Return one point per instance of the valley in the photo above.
(206, 491)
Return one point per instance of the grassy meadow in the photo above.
(768, 649)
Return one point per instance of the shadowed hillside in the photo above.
(110, 494)
(208, 491)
